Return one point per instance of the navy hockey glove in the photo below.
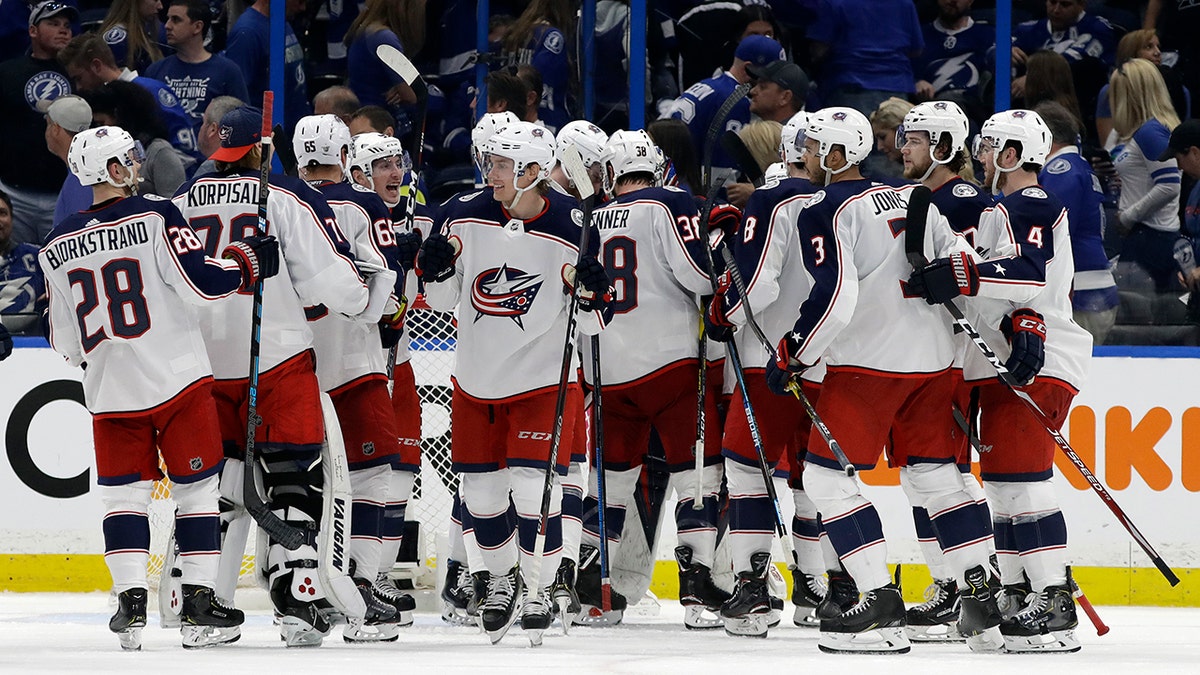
(258, 258)
(407, 247)
(435, 261)
(945, 279)
(725, 218)
(391, 326)
(1025, 330)
(785, 365)
(593, 282)
(6, 343)
(717, 325)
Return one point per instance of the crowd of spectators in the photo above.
(1116, 78)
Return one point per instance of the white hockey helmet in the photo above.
(483, 130)
(1025, 127)
(588, 138)
(775, 173)
(525, 143)
(631, 152)
(936, 118)
(92, 149)
(846, 127)
(371, 146)
(791, 138)
(319, 139)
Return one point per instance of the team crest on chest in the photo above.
(505, 292)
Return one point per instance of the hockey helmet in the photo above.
(631, 152)
(1022, 126)
(936, 118)
(371, 146)
(846, 127)
(525, 143)
(791, 138)
(92, 149)
(588, 138)
(319, 139)
(484, 128)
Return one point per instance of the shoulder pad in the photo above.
(1060, 165)
(1034, 193)
(964, 191)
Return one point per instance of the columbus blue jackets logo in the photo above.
(504, 291)
(839, 116)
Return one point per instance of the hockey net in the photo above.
(431, 334)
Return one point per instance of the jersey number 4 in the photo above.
(124, 303)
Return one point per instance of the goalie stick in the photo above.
(289, 536)
(914, 239)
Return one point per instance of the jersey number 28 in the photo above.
(125, 305)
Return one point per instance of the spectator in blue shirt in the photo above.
(249, 47)
(22, 287)
(133, 32)
(1068, 30)
(193, 73)
(957, 51)
(398, 23)
(1184, 147)
(864, 50)
(65, 117)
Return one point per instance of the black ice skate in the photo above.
(498, 607)
(129, 619)
(301, 623)
(458, 595)
(746, 613)
(378, 624)
(841, 593)
(979, 617)
(934, 620)
(700, 597)
(206, 621)
(808, 590)
(563, 595)
(536, 614)
(1013, 598)
(874, 626)
(1046, 625)
(587, 585)
(385, 590)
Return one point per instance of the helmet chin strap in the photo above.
(999, 170)
(830, 173)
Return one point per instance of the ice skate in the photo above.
(587, 585)
(498, 608)
(1046, 625)
(841, 593)
(874, 626)
(130, 619)
(700, 597)
(979, 617)
(562, 592)
(301, 623)
(1013, 598)
(206, 621)
(808, 590)
(385, 590)
(746, 613)
(379, 623)
(934, 620)
(536, 615)
(458, 596)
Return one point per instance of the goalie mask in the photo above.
(938, 119)
(319, 139)
(92, 150)
(1024, 127)
(525, 144)
(631, 152)
(840, 126)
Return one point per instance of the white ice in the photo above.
(55, 633)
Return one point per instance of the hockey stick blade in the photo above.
(572, 165)
(396, 60)
(733, 144)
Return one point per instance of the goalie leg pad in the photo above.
(852, 523)
(333, 540)
(127, 533)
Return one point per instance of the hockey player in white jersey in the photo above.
(767, 252)
(506, 256)
(654, 254)
(932, 140)
(590, 140)
(877, 391)
(124, 278)
(222, 208)
(351, 369)
(1022, 309)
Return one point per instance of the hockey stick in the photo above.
(918, 208)
(733, 144)
(1077, 592)
(572, 164)
(601, 489)
(398, 63)
(289, 536)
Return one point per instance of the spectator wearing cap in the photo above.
(31, 176)
(14, 26)
(65, 117)
(864, 50)
(22, 287)
(209, 138)
(196, 75)
(779, 92)
(1069, 176)
(699, 104)
(1184, 148)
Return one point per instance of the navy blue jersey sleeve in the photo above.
(1032, 215)
(208, 276)
(821, 257)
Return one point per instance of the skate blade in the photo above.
(806, 617)
(754, 625)
(774, 617)
(458, 617)
(360, 633)
(296, 632)
(404, 619)
(890, 640)
(594, 616)
(1059, 642)
(699, 617)
(989, 640)
(941, 632)
(199, 637)
(130, 639)
(535, 636)
(566, 616)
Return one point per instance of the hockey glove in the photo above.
(945, 279)
(258, 258)
(407, 247)
(435, 261)
(725, 217)
(1025, 330)
(6, 343)
(593, 284)
(391, 326)
(785, 365)
(717, 325)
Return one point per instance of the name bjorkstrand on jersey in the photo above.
(87, 242)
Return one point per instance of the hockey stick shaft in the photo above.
(1092, 615)
(289, 536)
(917, 211)
(601, 486)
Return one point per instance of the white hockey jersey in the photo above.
(651, 247)
(348, 348)
(1025, 240)
(510, 294)
(858, 313)
(313, 269)
(123, 281)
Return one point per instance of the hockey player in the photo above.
(1023, 310)
(222, 208)
(767, 251)
(123, 279)
(505, 255)
(650, 371)
(590, 140)
(932, 141)
(351, 368)
(876, 392)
